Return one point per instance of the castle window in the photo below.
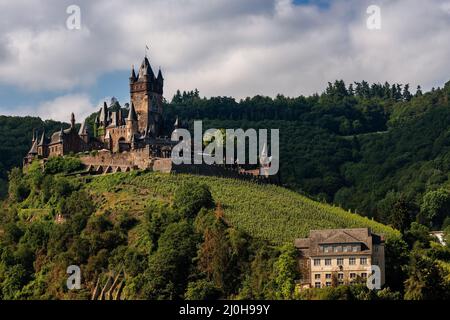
(364, 275)
(352, 261)
(328, 276)
(340, 261)
(317, 262)
(328, 284)
(340, 276)
(337, 248)
(352, 275)
(363, 261)
(328, 249)
(355, 249)
(317, 276)
(317, 285)
(328, 262)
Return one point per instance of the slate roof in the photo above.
(361, 236)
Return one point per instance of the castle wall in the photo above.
(135, 159)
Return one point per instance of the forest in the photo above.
(184, 237)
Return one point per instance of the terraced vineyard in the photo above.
(264, 211)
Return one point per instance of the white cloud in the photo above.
(226, 47)
(59, 108)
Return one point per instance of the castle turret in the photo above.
(132, 122)
(104, 115)
(83, 133)
(96, 126)
(42, 146)
(33, 151)
(133, 77)
(108, 141)
(72, 121)
(160, 81)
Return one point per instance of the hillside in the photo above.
(363, 147)
(163, 236)
(267, 212)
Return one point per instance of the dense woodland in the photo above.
(378, 150)
(184, 237)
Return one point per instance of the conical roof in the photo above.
(132, 116)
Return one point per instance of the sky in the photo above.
(235, 48)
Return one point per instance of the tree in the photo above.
(401, 214)
(419, 91)
(396, 253)
(418, 234)
(170, 265)
(407, 96)
(191, 197)
(425, 281)
(19, 188)
(202, 290)
(286, 272)
(435, 207)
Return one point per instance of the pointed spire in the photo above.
(176, 124)
(133, 74)
(34, 136)
(72, 120)
(104, 114)
(33, 149)
(42, 140)
(83, 129)
(146, 70)
(160, 76)
(132, 114)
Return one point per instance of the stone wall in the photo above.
(137, 159)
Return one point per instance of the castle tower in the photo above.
(42, 146)
(83, 133)
(146, 93)
(132, 122)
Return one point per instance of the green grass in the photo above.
(264, 211)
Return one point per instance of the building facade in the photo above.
(339, 256)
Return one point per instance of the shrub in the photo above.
(63, 165)
(191, 197)
(202, 290)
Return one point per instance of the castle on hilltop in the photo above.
(121, 142)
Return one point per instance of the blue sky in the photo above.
(222, 47)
